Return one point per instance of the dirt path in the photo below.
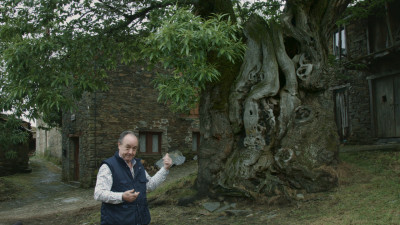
(43, 194)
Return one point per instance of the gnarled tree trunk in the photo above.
(268, 127)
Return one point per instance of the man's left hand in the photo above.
(167, 161)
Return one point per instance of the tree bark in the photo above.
(268, 127)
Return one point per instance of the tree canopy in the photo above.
(52, 51)
(50, 46)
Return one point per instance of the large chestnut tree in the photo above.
(259, 72)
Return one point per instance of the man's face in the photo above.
(128, 147)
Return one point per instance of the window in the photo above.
(339, 43)
(195, 141)
(150, 142)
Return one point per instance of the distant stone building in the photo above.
(48, 142)
(367, 94)
(90, 134)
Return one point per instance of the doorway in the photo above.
(75, 150)
(341, 101)
(386, 105)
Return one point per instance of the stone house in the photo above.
(90, 133)
(367, 92)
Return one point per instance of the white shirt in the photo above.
(102, 191)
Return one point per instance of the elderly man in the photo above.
(122, 183)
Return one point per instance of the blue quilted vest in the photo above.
(126, 213)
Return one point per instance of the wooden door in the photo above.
(387, 106)
(342, 113)
(396, 106)
(75, 143)
(195, 141)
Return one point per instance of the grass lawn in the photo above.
(369, 193)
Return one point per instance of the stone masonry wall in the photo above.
(129, 104)
(359, 109)
(356, 76)
(48, 141)
(75, 127)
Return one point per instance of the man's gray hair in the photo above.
(123, 134)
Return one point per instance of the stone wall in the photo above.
(48, 142)
(356, 36)
(77, 129)
(359, 109)
(129, 104)
(354, 79)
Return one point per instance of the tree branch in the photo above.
(156, 5)
(142, 13)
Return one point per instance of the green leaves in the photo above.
(182, 45)
(52, 51)
(360, 9)
(270, 10)
(39, 75)
(46, 63)
(11, 133)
